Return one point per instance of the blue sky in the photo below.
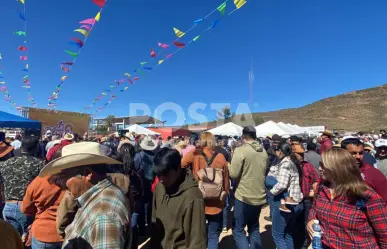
(302, 51)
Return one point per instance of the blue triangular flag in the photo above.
(21, 15)
(75, 44)
(214, 23)
(198, 21)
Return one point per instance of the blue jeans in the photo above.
(227, 207)
(36, 244)
(135, 220)
(284, 225)
(214, 229)
(16, 218)
(270, 181)
(245, 214)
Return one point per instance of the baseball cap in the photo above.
(381, 143)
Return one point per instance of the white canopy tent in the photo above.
(139, 130)
(229, 129)
(287, 129)
(269, 128)
(296, 128)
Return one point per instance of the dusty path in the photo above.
(226, 240)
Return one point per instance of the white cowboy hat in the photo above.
(148, 144)
(75, 155)
(129, 136)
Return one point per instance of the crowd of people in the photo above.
(107, 192)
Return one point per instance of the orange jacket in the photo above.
(196, 162)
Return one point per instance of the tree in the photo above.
(258, 120)
(109, 121)
(225, 114)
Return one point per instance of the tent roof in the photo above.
(8, 120)
(269, 128)
(289, 130)
(139, 130)
(229, 129)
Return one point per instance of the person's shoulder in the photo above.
(371, 195)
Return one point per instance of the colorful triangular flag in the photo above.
(222, 8)
(178, 32)
(239, 3)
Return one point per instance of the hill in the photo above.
(354, 111)
(361, 110)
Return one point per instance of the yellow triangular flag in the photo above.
(98, 16)
(239, 3)
(161, 61)
(82, 31)
(22, 1)
(178, 32)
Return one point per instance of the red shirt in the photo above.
(346, 226)
(325, 145)
(309, 177)
(375, 179)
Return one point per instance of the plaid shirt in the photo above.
(102, 220)
(345, 225)
(309, 177)
(288, 179)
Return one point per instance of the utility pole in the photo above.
(251, 81)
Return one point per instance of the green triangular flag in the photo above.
(197, 37)
(143, 63)
(73, 54)
(222, 8)
(21, 33)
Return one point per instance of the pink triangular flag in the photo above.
(90, 21)
(87, 27)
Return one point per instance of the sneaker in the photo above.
(283, 208)
(224, 230)
(290, 201)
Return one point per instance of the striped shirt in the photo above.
(102, 220)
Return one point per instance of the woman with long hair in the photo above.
(283, 180)
(126, 155)
(199, 159)
(350, 213)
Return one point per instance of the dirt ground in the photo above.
(226, 240)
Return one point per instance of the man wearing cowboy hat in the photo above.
(325, 141)
(103, 217)
(143, 162)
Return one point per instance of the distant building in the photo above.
(121, 123)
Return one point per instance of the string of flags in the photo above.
(23, 49)
(153, 55)
(86, 27)
(4, 90)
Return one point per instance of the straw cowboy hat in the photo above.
(68, 137)
(148, 144)
(75, 155)
(297, 148)
(327, 133)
